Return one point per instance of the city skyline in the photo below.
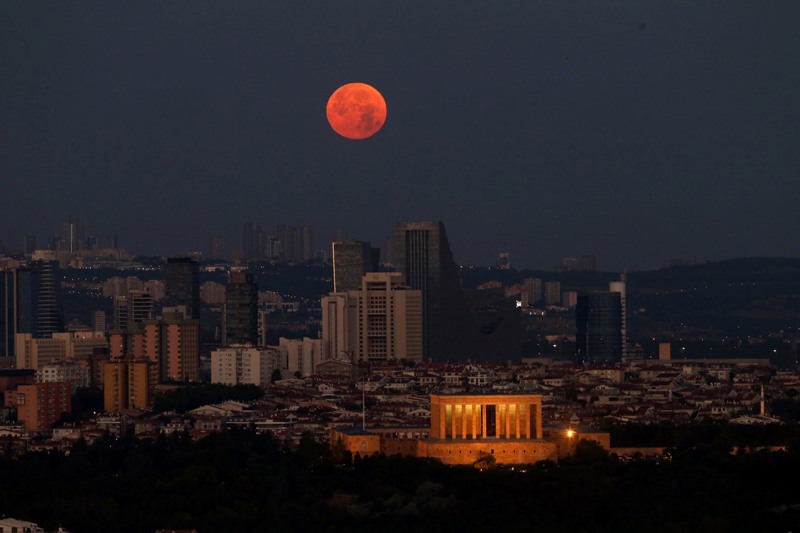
(633, 132)
(241, 249)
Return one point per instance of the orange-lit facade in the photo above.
(127, 385)
(465, 428)
(115, 392)
(478, 416)
(172, 343)
(40, 405)
(181, 350)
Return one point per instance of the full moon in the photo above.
(356, 111)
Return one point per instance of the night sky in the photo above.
(635, 131)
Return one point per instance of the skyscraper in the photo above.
(422, 253)
(8, 312)
(251, 241)
(73, 233)
(240, 316)
(351, 260)
(305, 243)
(296, 242)
(182, 286)
(450, 329)
(598, 319)
(619, 287)
(39, 299)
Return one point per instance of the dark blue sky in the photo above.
(634, 131)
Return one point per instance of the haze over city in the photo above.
(634, 132)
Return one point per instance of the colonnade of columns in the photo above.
(471, 417)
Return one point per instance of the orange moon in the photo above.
(356, 111)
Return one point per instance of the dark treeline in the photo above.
(721, 435)
(240, 481)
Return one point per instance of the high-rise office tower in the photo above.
(216, 248)
(252, 236)
(422, 253)
(619, 287)
(39, 299)
(182, 285)
(490, 330)
(295, 243)
(8, 312)
(240, 316)
(304, 248)
(351, 260)
(598, 320)
(73, 233)
(284, 241)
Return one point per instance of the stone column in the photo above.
(525, 421)
(474, 421)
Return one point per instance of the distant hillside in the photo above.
(736, 297)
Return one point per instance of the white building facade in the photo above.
(244, 365)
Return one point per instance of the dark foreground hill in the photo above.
(238, 481)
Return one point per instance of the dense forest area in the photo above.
(241, 481)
